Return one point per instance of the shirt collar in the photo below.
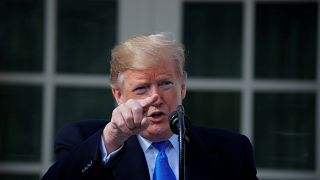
(145, 143)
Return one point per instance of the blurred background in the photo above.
(253, 67)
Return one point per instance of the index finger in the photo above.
(147, 102)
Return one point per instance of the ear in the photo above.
(183, 87)
(117, 95)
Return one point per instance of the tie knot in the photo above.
(161, 146)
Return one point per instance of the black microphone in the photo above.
(177, 116)
(180, 124)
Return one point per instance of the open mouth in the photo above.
(156, 114)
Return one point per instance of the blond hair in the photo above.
(145, 51)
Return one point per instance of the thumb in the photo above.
(144, 123)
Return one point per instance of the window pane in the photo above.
(86, 34)
(285, 130)
(18, 177)
(214, 109)
(213, 38)
(20, 124)
(21, 35)
(286, 37)
(75, 104)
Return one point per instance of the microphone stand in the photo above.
(182, 144)
(179, 126)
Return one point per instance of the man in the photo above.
(148, 82)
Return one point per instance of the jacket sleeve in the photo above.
(78, 156)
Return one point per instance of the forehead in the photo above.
(165, 69)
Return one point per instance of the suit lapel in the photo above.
(132, 163)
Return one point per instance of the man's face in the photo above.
(161, 80)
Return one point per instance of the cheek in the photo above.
(173, 99)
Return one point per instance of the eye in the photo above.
(140, 90)
(166, 84)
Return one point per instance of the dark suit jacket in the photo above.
(210, 154)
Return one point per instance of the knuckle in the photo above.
(136, 109)
(126, 116)
(121, 124)
(115, 111)
(130, 101)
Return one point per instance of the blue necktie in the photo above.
(162, 170)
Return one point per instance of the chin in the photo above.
(157, 133)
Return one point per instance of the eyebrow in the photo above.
(167, 76)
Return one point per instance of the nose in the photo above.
(156, 91)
